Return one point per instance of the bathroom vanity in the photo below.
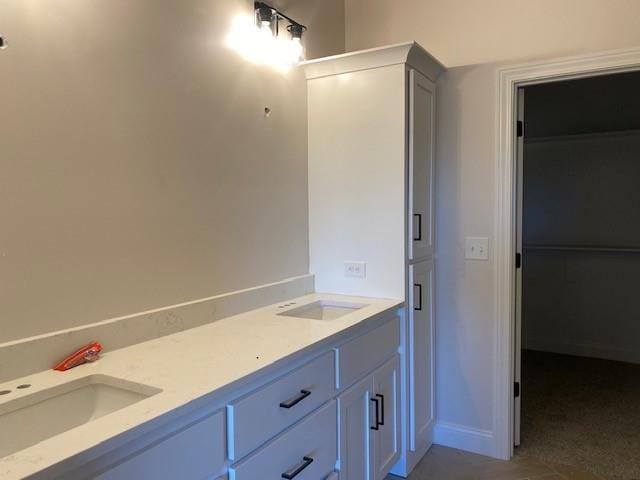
(303, 389)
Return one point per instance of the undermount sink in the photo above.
(323, 310)
(33, 418)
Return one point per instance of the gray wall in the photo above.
(138, 169)
(582, 190)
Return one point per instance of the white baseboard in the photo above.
(464, 438)
(606, 352)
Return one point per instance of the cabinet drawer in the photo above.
(265, 412)
(310, 447)
(362, 355)
(193, 453)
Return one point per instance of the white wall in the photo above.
(465, 159)
(138, 169)
(464, 32)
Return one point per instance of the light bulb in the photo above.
(265, 28)
(296, 50)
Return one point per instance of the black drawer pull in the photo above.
(419, 307)
(293, 473)
(293, 401)
(419, 237)
(381, 397)
(376, 401)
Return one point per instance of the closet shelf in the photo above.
(582, 136)
(584, 248)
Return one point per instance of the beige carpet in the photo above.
(442, 463)
(582, 412)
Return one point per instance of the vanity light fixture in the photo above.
(260, 40)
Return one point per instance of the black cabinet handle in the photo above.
(381, 397)
(419, 307)
(293, 473)
(293, 401)
(376, 401)
(419, 237)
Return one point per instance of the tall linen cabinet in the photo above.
(371, 128)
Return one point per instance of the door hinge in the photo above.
(516, 389)
(518, 260)
(520, 128)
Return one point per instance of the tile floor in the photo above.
(442, 463)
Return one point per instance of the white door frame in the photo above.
(509, 79)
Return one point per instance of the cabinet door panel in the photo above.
(386, 388)
(194, 453)
(421, 354)
(421, 152)
(355, 431)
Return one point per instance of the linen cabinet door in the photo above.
(354, 416)
(386, 389)
(421, 355)
(421, 153)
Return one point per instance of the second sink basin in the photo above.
(323, 310)
(33, 418)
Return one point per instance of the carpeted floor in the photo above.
(582, 412)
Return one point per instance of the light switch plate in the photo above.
(476, 248)
(355, 269)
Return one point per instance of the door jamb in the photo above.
(509, 79)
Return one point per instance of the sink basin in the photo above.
(323, 310)
(33, 418)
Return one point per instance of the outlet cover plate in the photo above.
(355, 269)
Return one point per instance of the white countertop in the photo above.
(185, 366)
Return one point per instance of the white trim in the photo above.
(464, 438)
(409, 53)
(509, 79)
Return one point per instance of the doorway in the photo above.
(577, 236)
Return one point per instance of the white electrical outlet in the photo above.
(476, 248)
(355, 269)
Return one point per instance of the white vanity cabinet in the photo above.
(331, 413)
(369, 425)
(371, 131)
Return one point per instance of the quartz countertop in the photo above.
(194, 364)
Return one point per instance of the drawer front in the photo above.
(193, 453)
(265, 412)
(362, 355)
(309, 448)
